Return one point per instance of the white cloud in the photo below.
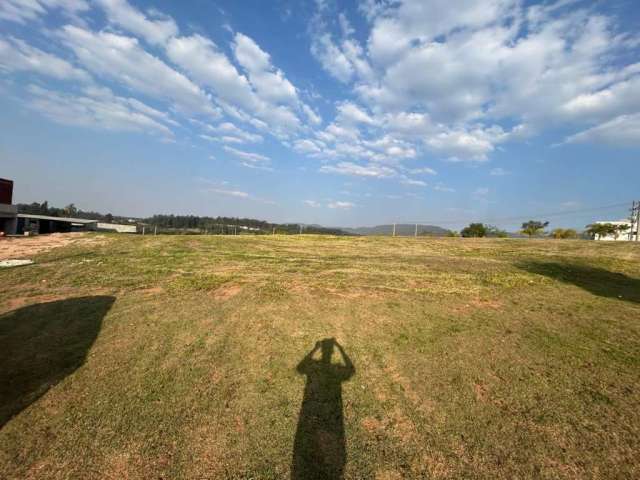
(155, 31)
(250, 159)
(312, 203)
(307, 146)
(443, 188)
(123, 60)
(344, 59)
(350, 113)
(451, 74)
(313, 117)
(221, 187)
(230, 193)
(332, 58)
(498, 172)
(405, 22)
(424, 170)
(413, 182)
(340, 205)
(621, 131)
(16, 55)
(270, 83)
(349, 168)
(22, 11)
(229, 130)
(481, 192)
(620, 98)
(460, 145)
(202, 59)
(104, 111)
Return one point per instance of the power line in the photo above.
(529, 216)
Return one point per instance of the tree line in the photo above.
(181, 223)
(227, 225)
(535, 228)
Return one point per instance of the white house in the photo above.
(625, 234)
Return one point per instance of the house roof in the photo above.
(616, 222)
(82, 221)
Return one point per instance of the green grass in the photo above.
(179, 357)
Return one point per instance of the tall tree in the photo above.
(564, 233)
(70, 210)
(605, 230)
(474, 230)
(533, 227)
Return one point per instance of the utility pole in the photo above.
(394, 229)
(632, 219)
(416, 232)
(638, 221)
(300, 229)
(635, 221)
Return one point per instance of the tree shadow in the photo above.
(41, 344)
(319, 449)
(596, 280)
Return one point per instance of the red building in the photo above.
(8, 211)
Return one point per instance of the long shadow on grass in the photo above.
(319, 449)
(41, 344)
(596, 280)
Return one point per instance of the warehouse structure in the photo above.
(40, 224)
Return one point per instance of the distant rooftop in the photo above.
(82, 221)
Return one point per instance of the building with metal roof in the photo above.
(39, 224)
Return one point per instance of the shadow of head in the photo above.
(326, 346)
(41, 344)
(598, 281)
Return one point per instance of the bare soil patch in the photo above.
(24, 247)
(226, 292)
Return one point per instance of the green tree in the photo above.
(70, 210)
(474, 230)
(605, 229)
(533, 227)
(493, 231)
(564, 233)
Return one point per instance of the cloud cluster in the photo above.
(455, 79)
(22, 11)
(101, 109)
(450, 80)
(145, 53)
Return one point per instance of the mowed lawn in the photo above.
(214, 357)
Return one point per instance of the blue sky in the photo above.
(318, 111)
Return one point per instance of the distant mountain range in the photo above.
(402, 229)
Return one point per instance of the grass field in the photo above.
(213, 357)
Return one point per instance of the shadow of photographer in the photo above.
(319, 450)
